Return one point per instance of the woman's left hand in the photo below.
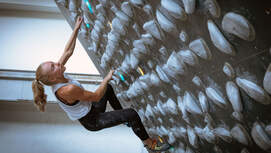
(78, 23)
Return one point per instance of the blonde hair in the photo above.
(40, 98)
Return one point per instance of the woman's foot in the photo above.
(156, 146)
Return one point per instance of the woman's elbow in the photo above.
(95, 98)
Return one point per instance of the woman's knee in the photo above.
(132, 112)
(89, 125)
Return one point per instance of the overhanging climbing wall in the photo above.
(197, 71)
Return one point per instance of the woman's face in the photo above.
(53, 70)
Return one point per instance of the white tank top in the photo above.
(77, 111)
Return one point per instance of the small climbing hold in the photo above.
(121, 77)
(140, 71)
(89, 6)
(189, 6)
(267, 79)
(200, 47)
(213, 8)
(228, 70)
(183, 36)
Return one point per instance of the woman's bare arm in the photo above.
(69, 48)
(72, 93)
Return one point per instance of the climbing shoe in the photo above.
(158, 146)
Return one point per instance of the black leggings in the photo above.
(98, 119)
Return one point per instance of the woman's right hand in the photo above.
(109, 75)
(79, 21)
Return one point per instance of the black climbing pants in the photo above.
(98, 119)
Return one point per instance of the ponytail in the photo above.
(39, 95)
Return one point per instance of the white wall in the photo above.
(25, 130)
(29, 38)
(46, 138)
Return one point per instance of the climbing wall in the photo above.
(196, 71)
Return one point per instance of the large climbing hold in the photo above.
(260, 137)
(239, 26)
(240, 134)
(234, 96)
(254, 91)
(165, 23)
(218, 39)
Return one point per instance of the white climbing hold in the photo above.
(188, 57)
(147, 39)
(162, 75)
(238, 25)
(148, 9)
(149, 111)
(183, 36)
(174, 9)
(234, 96)
(213, 7)
(228, 70)
(72, 6)
(191, 103)
(238, 116)
(192, 137)
(170, 106)
(260, 137)
(160, 108)
(254, 91)
(118, 27)
(219, 40)
(267, 80)
(152, 28)
(223, 133)
(137, 2)
(126, 8)
(189, 6)
(197, 81)
(203, 102)
(209, 135)
(240, 134)
(124, 19)
(165, 24)
(154, 79)
(217, 97)
(175, 63)
(200, 47)
(136, 29)
(182, 108)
